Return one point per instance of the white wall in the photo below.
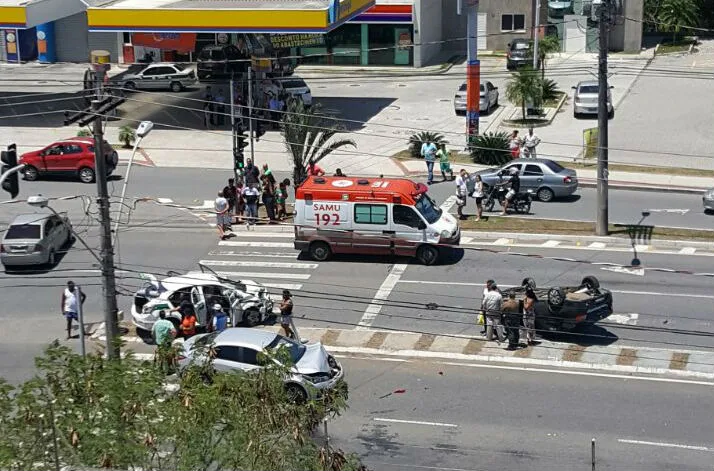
(427, 29)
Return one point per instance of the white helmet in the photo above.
(513, 171)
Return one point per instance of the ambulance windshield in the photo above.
(428, 209)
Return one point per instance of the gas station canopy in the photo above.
(24, 14)
(222, 16)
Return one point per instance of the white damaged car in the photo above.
(246, 302)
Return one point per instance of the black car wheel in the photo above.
(427, 255)
(176, 87)
(590, 282)
(251, 317)
(31, 174)
(528, 283)
(86, 175)
(320, 251)
(556, 297)
(523, 207)
(545, 194)
(51, 258)
(130, 86)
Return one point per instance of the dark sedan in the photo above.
(519, 54)
(547, 179)
(563, 308)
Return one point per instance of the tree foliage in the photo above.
(677, 15)
(309, 136)
(95, 412)
(127, 135)
(491, 148)
(524, 85)
(419, 138)
(547, 45)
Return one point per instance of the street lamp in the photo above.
(142, 131)
(40, 201)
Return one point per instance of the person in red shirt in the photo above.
(313, 170)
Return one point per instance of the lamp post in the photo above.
(40, 201)
(142, 131)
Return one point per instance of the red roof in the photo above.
(360, 189)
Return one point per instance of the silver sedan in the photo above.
(35, 239)
(547, 179)
(487, 101)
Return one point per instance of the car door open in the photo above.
(199, 305)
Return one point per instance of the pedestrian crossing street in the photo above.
(264, 257)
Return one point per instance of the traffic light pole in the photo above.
(10, 172)
(250, 113)
(602, 220)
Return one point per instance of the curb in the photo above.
(546, 122)
(407, 71)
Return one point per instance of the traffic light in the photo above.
(9, 160)
(241, 142)
(238, 159)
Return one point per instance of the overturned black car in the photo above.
(563, 308)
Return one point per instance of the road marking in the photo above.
(374, 308)
(626, 270)
(272, 245)
(239, 253)
(289, 286)
(501, 242)
(551, 243)
(448, 204)
(127, 338)
(417, 466)
(240, 263)
(666, 445)
(625, 319)
(282, 276)
(391, 360)
(597, 245)
(466, 240)
(642, 248)
(164, 200)
(688, 251)
(415, 422)
(677, 211)
(263, 235)
(580, 373)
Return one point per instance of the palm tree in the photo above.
(308, 136)
(524, 85)
(547, 45)
(676, 15)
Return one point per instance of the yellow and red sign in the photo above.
(181, 42)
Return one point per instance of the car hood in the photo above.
(314, 360)
(559, 5)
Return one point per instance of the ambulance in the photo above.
(378, 216)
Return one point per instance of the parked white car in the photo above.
(313, 370)
(158, 76)
(245, 301)
(585, 99)
(487, 101)
(293, 86)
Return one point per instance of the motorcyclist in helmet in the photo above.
(515, 182)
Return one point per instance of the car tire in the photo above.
(611, 114)
(427, 255)
(590, 282)
(131, 86)
(545, 194)
(523, 207)
(251, 317)
(296, 393)
(528, 283)
(51, 258)
(86, 175)
(30, 173)
(320, 251)
(176, 87)
(556, 297)
(576, 115)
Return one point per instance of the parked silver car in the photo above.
(488, 100)
(293, 86)
(585, 100)
(708, 200)
(35, 239)
(236, 350)
(547, 179)
(159, 76)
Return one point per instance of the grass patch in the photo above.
(553, 102)
(679, 46)
(552, 226)
(688, 172)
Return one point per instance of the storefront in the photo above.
(383, 35)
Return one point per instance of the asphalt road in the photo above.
(626, 207)
(470, 417)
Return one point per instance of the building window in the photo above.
(371, 214)
(513, 22)
(390, 44)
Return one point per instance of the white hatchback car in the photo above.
(293, 86)
(245, 301)
(236, 350)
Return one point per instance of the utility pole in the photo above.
(80, 313)
(602, 220)
(100, 63)
(233, 126)
(536, 34)
(250, 114)
(473, 69)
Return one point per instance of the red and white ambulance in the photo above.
(380, 216)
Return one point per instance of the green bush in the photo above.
(550, 90)
(84, 133)
(491, 148)
(127, 135)
(416, 140)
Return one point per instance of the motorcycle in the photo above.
(520, 203)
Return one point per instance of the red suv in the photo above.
(73, 156)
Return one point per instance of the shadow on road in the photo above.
(586, 336)
(350, 109)
(38, 109)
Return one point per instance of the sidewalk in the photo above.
(588, 178)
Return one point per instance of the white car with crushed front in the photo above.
(246, 302)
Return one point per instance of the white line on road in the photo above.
(626, 270)
(415, 422)
(240, 263)
(581, 373)
(374, 308)
(417, 466)
(501, 242)
(597, 245)
(466, 240)
(290, 286)
(688, 251)
(264, 235)
(448, 204)
(272, 245)
(551, 243)
(282, 276)
(240, 253)
(625, 319)
(669, 295)
(677, 211)
(666, 445)
(164, 200)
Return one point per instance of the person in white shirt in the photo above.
(70, 307)
(461, 191)
(492, 305)
(530, 141)
(478, 196)
(223, 218)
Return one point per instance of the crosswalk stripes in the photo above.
(262, 257)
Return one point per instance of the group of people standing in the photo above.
(510, 319)
(430, 152)
(239, 201)
(523, 147)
